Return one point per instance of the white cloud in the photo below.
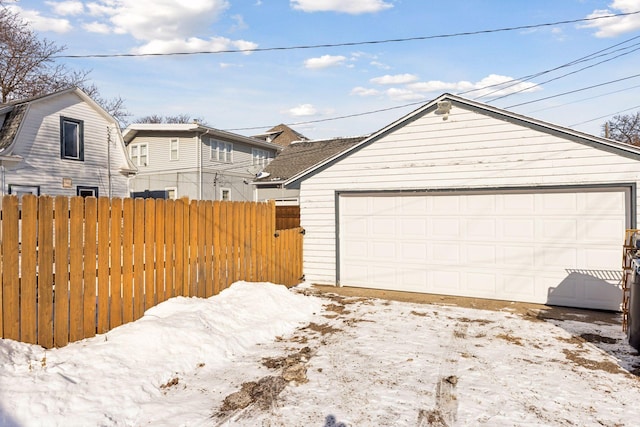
(380, 65)
(397, 79)
(194, 44)
(97, 27)
(41, 23)
(403, 94)
(240, 24)
(363, 91)
(493, 84)
(303, 110)
(324, 61)
(166, 26)
(353, 7)
(65, 8)
(611, 27)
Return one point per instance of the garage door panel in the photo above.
(413, 228)
(518, 286)
(561, 257)
(517, 204)
(544, 247)
(558, 203)
(481, 284)
(414, 251)
(554, 229)
(598, 203)
(478, 229)
(518, 230)
(445, 228)
(602, 229)
(480, 254)
(443, 280)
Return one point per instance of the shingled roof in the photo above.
(300, 156)
(11, 124)
(281, 135)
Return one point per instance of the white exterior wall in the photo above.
(38, 142)
(468, 151)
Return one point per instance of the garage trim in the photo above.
(630, 186)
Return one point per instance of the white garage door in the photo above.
(557, 248)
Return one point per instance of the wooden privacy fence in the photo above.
(287, 217)
(74, 267)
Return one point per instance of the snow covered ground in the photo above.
(264, 355)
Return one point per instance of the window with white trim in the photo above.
(225, 194)
(173, 148)
(71, 139)
(86, 191)
(221, 151)
(172, 193)
(20, 190)
(139, 154)
(260, 157)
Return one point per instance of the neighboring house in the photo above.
(462, 198)
(281, 135)
(62, 143)
(195, 161)
(293, 161)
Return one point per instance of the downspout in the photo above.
(109, 158)
(199, 154)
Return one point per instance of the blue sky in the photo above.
(236, 91)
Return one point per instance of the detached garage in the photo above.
(461, 198)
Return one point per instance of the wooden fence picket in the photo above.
(74, 267)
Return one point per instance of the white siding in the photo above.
(39, 144)
(468, 151)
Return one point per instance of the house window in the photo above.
(21, 190)
(172, 192)
(173, 149)
(85, 191)
(260, 157)
(221, 151)
(139, 154)
(225, 194)
(71, 139)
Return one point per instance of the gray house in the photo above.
(62, 143)
(195, 161)
(279, 181)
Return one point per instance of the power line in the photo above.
(513, 82)
(574, 91)
(566, 74)
(608, 115)
(331, 45)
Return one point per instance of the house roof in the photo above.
(281, 135)
(598, 142)
(11, 124)
(301, 156)
(132, 130)
(14, 113)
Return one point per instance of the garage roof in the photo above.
(580, 137)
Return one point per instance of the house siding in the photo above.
(38, 142)
(469, 150)
(195, 174)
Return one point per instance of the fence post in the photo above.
(28, 254)
(45, 271)
(61, 255)
(90, 258)
(114, 262)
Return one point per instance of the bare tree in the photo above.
(157, 119)
(624, 128)
(28, 66)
